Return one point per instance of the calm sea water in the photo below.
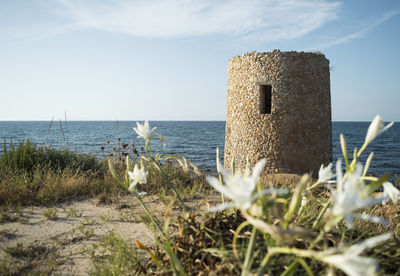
(196, 140)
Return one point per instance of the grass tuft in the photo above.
(50, 213)
(115, 256)
(32, 259)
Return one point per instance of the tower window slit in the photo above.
(265, 99)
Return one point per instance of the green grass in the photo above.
(51, 213)
(27, 157)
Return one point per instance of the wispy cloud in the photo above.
(362, 32)
(32, 21)
(268, 20)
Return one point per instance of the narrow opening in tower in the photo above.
(265, 99)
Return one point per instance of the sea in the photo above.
(196, 140)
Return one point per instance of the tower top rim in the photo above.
(278, 53)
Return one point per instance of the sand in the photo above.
(78, 226)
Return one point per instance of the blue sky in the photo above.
(167, 59)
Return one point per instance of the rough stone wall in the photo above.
(296, 137)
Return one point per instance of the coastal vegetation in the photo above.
(32, 175)
(345, 222)
(41, 175)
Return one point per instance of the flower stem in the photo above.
(148, 213)
(364, 146)
(264, 264)
(184, 207)
(249, 253)
(220, 181)
(313, 186)
(319, 217)
(148, 149)
(219, 173)
(176, 265)
(235, 236)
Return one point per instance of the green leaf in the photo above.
(296, 199)
(375, 185)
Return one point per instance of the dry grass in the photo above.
(48, 186)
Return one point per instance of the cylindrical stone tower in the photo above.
(279, 108)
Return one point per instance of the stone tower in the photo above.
(279, 108)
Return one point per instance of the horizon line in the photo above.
(158, 120)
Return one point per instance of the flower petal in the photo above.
(258, 168)
(391, 192)
(377, 220)
(368, 243)
(375, 128)
(221, 207)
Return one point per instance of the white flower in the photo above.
(351, 195)
(137, 176)
(375, 128)
(239, 187)
(144, 130)
(348, 259)
(325, 174)
(391, 192)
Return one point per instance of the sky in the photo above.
(168, 59)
